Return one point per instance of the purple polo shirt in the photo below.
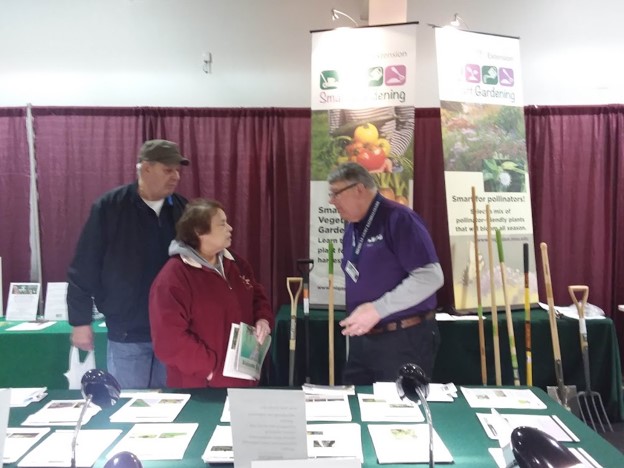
(397, 242)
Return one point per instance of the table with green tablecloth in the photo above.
(40, 358)
(458, 358)
(466, 441)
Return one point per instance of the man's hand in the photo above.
(361, 320)
(262, 330)
(82, 337)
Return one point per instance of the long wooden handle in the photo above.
(510, 330)
(494, 309)
(562, 393)
(527, 317)
(475, 231)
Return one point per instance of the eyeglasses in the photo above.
(333, 195)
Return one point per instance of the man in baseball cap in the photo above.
(162, 151)
(121, 249)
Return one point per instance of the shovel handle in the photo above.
(574, 290)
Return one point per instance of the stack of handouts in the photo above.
(61, 413)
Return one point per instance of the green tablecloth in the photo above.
(458, 359)
(40, 358)
(466, 440)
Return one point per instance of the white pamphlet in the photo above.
(327, 408)
(244, 355)
(61, 413)
(56, 302)
(5, 408)
(19, 440)
(407, 443)
(55, 450)
(31, 326)
(324, 441)
(551, 425)
(152, 407)
(317, 408)
(21, 397)
(482, 397)
(157, 441)
(267, 425)
(23, 301)
(379, 409)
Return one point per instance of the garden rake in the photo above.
(589, 402)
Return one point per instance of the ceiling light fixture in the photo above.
(458, 21)
(336, 14)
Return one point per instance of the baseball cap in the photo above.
(162, 151)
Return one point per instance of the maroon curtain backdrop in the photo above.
(576, 166)
(255, 161)
(81, 153)
(14, 200)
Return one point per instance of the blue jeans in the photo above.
(134, 365)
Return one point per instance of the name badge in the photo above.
(353, 273)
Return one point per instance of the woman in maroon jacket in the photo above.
(200, 292)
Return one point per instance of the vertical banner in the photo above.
(484, 143)
(363, 93)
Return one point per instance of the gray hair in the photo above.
(353, 173)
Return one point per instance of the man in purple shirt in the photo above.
(391, 275)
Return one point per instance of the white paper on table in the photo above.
(482, 397)
(31, 326)
(56, 301)
(19, 440)
(22, 397)
(335, 441)
(55, 450)
(327, 408)
(23, 301)
(267, 425)
(61, 413)
(407, 443)
(551, 425)
(317, 408)
(592, 312)
(581, 454)
(378, 409)
(444, 393)
(324, 441)
(308, 463)
(152, 407)
(312, 389)
(157, 441)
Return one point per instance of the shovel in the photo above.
(590, 402)
(292, 344)
(562, 394)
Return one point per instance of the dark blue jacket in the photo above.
(121, 249)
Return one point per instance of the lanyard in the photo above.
(358, 248)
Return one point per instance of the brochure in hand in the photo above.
(245, 355)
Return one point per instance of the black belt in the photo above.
(403, 323)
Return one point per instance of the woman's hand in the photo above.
(262, 330)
